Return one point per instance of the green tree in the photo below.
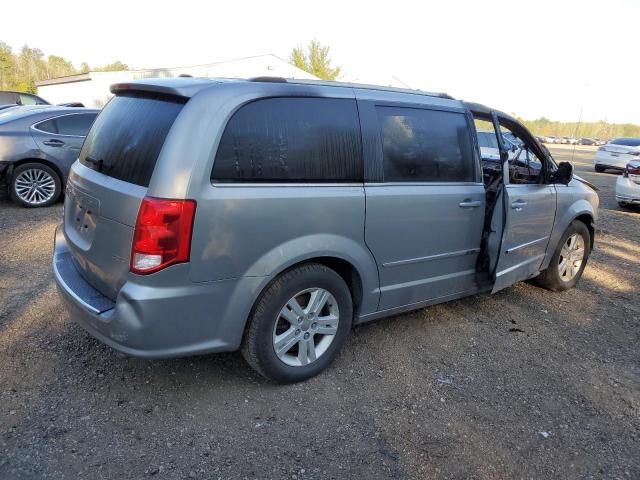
(84, 68)
(315, 60)
(7, 67)
(59, 67)
(116, 66)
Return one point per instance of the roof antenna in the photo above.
(403, 83)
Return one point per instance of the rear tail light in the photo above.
(633, 168)
(162, 236)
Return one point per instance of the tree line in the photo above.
(20, 71)
(604, 130)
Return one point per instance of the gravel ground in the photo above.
(526, 383)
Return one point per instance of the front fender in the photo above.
(313, 246)
(567, 212)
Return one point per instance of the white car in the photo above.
(628, 185)
(617, 153)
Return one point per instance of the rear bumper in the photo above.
(157, 321)
(627, 191)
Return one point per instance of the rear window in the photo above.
(291, 140)
(627, 142)
(126, 138)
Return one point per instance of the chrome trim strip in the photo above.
(416, 283)
(519, 265)
(431, 257)
(532, 242)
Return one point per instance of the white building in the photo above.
(92, 89)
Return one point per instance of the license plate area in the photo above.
(81, 216)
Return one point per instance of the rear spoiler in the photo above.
(177, 87)
(71, 104)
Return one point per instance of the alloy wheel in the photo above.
(35, 186)
(306, 326)
(571, 257)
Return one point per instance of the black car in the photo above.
(38, 144)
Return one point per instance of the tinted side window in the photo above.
(425, 145)
(75, 124)
(7, 98)
(126, 138)
(291, 140)
(49, 126)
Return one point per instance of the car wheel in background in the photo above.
(298, 324)
(599, 169)
(569, 260)
(35, 185)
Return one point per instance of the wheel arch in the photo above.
(581, 211)
(43, 161)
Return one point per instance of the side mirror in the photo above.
(564, 173)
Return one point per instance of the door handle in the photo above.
(518, 204)
(468, 203)
(53, 142)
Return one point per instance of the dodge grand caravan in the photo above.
(270, 216)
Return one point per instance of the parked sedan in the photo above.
(617, 154)
(628, 185)
(38, 144)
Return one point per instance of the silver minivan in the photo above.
(272, 215)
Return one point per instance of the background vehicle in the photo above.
(628, 185)
(617, 154)
(20, 98)
(586, 141)
(252, 233)
(38, 144)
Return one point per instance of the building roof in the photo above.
(240, 67)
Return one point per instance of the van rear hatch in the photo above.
(105, 188)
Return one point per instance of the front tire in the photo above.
(599, 169)
(35, 185)
(298, 324)
(569, 260)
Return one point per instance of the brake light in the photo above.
(633, 168)
(162, 236)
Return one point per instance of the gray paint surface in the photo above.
(410, 244)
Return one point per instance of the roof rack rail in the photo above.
(268, 79)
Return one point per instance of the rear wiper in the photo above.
(93, 161)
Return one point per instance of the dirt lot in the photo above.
(526, 383)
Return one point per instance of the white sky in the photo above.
(532, 58)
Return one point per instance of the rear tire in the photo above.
(599, 169)
(35, 185)
(282, 347)
(552, 278)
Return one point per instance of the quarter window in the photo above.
(291, 140)
(422, 145)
